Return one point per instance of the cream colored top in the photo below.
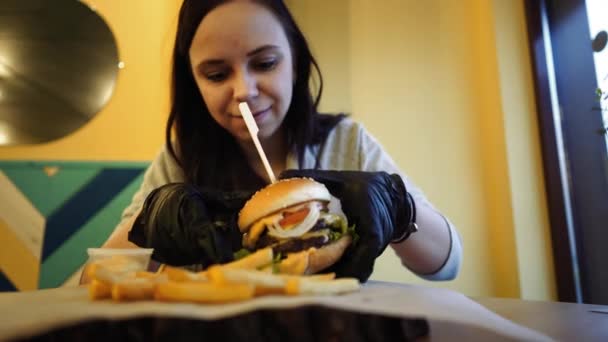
(348, 147)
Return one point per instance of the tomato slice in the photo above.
(292, 218)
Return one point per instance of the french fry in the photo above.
(181, 275)
(153, 277)
(99, 290)
(295, 285)
(215, 274)
(89, 270)
(267, 269)
(303, 286)
(134, 289)
(292, 286)
(255, 260)
(265, 283)
(295, 263)
(146, 275)
(311, 277)
(321, 277)
(255, 277)
(261, 290)
(203, 292)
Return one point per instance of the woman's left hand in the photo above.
(375, 202)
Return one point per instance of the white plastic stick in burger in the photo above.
(253, 131)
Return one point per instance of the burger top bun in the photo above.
(280, 195)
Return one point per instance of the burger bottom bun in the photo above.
(327, 255)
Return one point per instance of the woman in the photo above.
(227, 52)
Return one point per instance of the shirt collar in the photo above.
(309, 158)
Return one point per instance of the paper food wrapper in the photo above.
(449, 313)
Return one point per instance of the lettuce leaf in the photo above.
(353, 233)
(276, 260)
(336, 235)
(241, 253)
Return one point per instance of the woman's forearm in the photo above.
(427, 250)
(120, 236)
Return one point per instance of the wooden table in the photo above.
(452, 316)
(561, 321)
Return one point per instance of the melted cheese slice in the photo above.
(258, 228)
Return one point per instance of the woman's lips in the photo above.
(260, 113)
(256, 114)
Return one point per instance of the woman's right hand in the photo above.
(186, 225)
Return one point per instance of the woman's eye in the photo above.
(266, 65)
(216, 76)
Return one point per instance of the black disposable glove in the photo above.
(377, 204)
(186, 225)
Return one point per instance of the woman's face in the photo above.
(240, 53)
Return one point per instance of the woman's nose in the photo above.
(245, 87)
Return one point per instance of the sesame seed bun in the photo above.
(280, 195)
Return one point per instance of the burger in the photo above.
(293, 216)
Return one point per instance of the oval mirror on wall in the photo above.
(58, 67)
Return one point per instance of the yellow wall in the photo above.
(131, 126)
(447, 88)
(444, 84)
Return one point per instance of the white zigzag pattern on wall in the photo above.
(26, 224)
